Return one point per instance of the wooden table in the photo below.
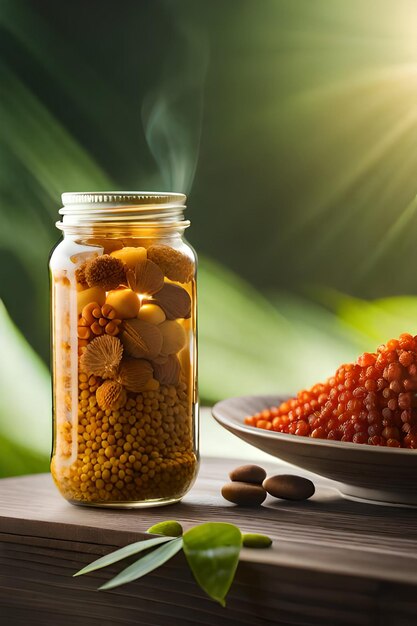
(333, 561)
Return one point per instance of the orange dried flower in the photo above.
(98, 320)
(105, 271)
(111, 395)
(102, 357)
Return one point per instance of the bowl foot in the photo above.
(381, 497)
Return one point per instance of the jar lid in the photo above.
(122, 198)
(100, 207)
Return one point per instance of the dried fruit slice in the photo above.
(372, 401)
(135, 374)
(130, 256)
(141, 339)
(173, 300)
(102, 356)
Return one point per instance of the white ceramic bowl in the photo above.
(387, 475)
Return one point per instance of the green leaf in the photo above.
(375, 321)
(16, 460)
(255, 540)
(239, 327)
(41, 142)
(169, 528)
(25, 397)
(212, 551)
(146, 564)
(123, 553)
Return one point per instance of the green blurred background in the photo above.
(291, 124)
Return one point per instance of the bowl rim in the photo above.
(217, 413)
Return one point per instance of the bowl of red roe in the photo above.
(358, 428)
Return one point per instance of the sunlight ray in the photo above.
(395, 231)
(347, 179)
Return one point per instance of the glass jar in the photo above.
(124, 350)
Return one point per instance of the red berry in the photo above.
(376, 441)
(372, 401)
(391, 433)
(406, 358)
(360, 438)
(393, 443)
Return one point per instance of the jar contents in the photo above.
(133, 440)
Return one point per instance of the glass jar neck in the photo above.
(123, 213)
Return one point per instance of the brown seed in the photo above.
(248, 474)
(175, 265)
(141, 339)
(173, 300)
(147, 278)
(134, 374)
(289, 487)
(167, 371)
(244, 494)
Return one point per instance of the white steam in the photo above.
(172, 114)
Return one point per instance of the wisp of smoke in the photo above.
(172, 114)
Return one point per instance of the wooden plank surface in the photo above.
(333, 561)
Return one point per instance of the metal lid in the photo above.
(123, 198)
(101, 207)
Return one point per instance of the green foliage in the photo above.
(123, 553)
(17, 460)
(212, 551)
(25, 404)
(265, 346)
(146, 564)
(376, 321)
(170, 528)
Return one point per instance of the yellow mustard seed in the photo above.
(146, 453)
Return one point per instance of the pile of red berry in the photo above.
(372, 401)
